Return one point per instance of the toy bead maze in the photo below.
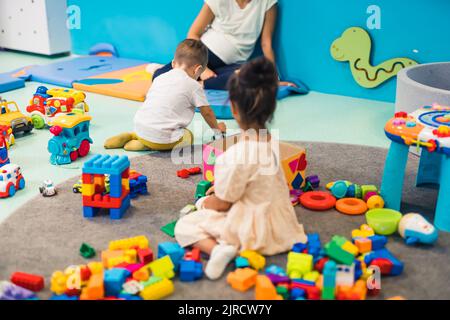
(293, 160)
(429, 129)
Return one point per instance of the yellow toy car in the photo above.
(78, 187)
(10, 115)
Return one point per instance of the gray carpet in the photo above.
(45, 234)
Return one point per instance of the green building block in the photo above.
(283, 291)
(87, 251)
(202, 188)
(328, 293)
(335, 252)
(169, 229)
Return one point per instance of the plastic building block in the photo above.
(312, 291)
(368, 188)
(186, 173)
(145, 256)
(299, 247)
(314, 245)
(299, 264)
(58, 283)
(63, 297)
(313, 276)
(140, 242)
(388, 264)
(350, 247)
(335, 250)
(364, 231)
(256, 260)
(117, 201)
(314, 181)
(87, 251)
(297, 294)
(190, 271)
(275, 270)
(95, 289)
(169, 229)
(10, 291)
(113, 281)
(31, 282)
(283, 291)
(173, 250)
(158, 290)
(356, 292)
(138, 184)
(329, 281)
(95, 267)
(242, 279)
(345, 275)
(194, 255)
(129, 297)
(163, 268)
(132, 287)
(141, 275)
(265, 290)
(112, 258)
(277, 279)
(202, 188)
(364, 245)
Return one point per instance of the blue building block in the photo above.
(276, 270)
(113, 281)
(63, 297)
(241, 263)
(106, 164)
(297, 293)
(299, 247)
(397, 265)
(173, 250)
(138, 186)
(358, 270)
(129, 297)
(314, 245)
(329, 280)
(190, 270)
(378, 242)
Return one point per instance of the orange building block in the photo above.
(265, 290)
(364, 245)
(141, 275)
(357, 292)
(94, 289)
(242, 279)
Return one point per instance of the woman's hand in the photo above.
(287, 84)
(214, 203)
(208, 74)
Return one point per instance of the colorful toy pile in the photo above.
(339, 270)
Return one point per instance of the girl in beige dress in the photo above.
(249, 206)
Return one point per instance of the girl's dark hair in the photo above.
(253, 91)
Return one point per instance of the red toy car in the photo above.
(186, 173)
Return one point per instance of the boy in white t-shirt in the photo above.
(161, 123)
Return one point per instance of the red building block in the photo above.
(145, 256)
(28, 281)
(193, 255)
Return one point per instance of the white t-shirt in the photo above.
(169, 107)
(233, 34)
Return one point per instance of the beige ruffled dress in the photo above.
(261, 218)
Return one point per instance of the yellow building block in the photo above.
(299, 264)
(158, 290)
(313, 276)
(140, 242)
(351, 248)
(58, 283)
(109, 254)
(128, 256)
(95, 267)
(88, 190)
(126, 184)
(256, 260)
(364, 232)
(162, 268)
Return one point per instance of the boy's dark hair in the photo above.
(253, 90)
(192, 52)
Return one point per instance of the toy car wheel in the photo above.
(29, 127)
(11, 190)
(21, 184)
(38, 121)
(84, 149)
(73, 156)
(76, 190)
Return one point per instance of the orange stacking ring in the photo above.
(351, 206)
(318, 200)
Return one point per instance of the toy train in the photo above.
(70, 139)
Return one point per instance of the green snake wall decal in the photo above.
(355, 46)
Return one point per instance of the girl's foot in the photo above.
(220, 257)
(135, 145)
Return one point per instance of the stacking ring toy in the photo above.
(375, 202)
(318, 201)
(351, 206)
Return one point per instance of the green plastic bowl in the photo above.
(383, 221)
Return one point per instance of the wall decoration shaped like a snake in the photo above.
(355, 46)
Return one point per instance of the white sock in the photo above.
(220, 257)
